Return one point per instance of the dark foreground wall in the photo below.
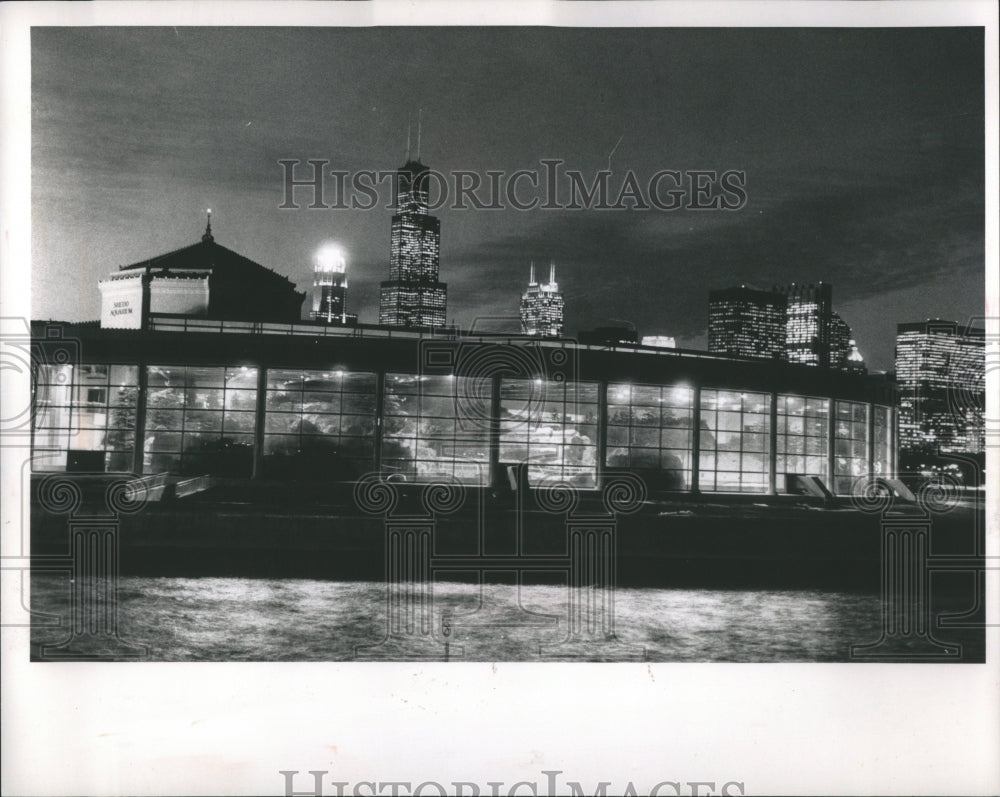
(664, 545)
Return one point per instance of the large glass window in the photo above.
(551, 426)
(850, 444)
(200, 420)
(319, 424)
(803, 437)
(84, 417)
(734, 441)
(426, 433)
(882, 420)
(649, 429)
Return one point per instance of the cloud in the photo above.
(863, 150)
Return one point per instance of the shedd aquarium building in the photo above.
(201, 366)
(186, 396)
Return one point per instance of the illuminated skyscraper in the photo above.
(855, 362)
(807, 322)
(940, 371)
(840, 342)
(789, 322)
(413, 296)
(330, 287)
(746, 322)
(542, 307)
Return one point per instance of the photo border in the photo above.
(179, 728)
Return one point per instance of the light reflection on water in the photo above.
(237, 619)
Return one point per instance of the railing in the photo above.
(179, 323)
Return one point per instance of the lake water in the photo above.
(238, 619)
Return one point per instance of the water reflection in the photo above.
(232, 619)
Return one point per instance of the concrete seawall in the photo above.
(664, 545)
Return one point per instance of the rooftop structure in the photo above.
(203, 279)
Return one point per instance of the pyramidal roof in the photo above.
(208, 255)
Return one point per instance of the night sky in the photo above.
(863, 150)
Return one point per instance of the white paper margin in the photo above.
(229, 728)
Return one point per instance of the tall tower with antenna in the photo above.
(542, 306)
(413, 296)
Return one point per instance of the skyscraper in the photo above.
(840, 342)
(807, 322)
(940, 371)
(413, 296)
(855, 361)
(746, 322)
(542, 306)
(330, 287)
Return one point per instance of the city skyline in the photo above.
(216, 453)
(873, 190)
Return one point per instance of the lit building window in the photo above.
(803, 437)
(84, 417)
(734, 441)
(883, 434)
(850, 454)
(425, 435)
(551, 426)
(319, 424)
(649, 429)
(200, 420)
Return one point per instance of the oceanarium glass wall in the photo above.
(803, 437)
(735, 441)
(882, 437)
(551, 426)
(318, 424)
(850, 444)
(426, 436)
(649, 429)
(200, 420)
(84, 408)
(324, 425)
